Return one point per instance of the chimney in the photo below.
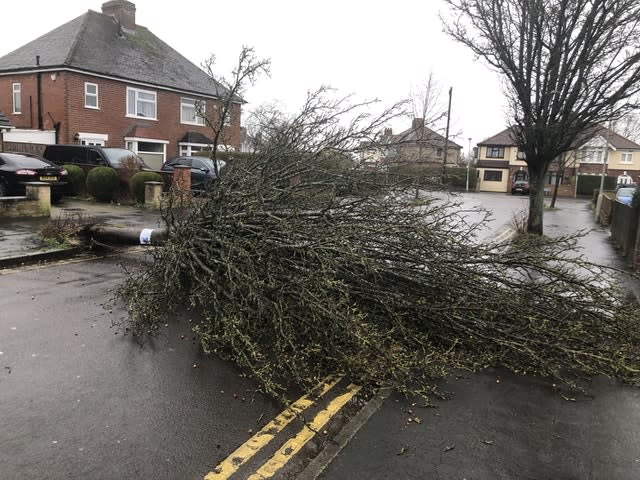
(123, 11)
(388, 132)
(418, 123)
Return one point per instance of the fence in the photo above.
(623, 223)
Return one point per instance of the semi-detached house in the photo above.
(100, 79)
(500, 163)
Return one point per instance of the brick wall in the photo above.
(63, 103)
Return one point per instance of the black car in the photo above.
(203, 171)
(520, 186)
(89, 156)
(16, 169)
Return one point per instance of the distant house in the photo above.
(101, 79)
(416, 146)
(500, 163)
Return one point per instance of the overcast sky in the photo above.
(371, 49)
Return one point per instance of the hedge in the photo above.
(102, 183)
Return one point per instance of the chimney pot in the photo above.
(388, 132)
(123, 11)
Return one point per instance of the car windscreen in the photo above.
(23, 161)
(625, 192)
(117, 156)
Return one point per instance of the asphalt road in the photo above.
(498, 425)
(79, 401)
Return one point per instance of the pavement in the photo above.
(21, 242)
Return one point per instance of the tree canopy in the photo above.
(566, 65)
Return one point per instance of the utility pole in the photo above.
(468, 163)
(446, 140)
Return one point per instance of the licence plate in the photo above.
(48, 179)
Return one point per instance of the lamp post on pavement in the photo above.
(468, 163)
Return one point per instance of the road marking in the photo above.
(244, 452)
(295, 444)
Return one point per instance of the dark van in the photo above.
(89, 156)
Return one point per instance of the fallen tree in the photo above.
(300, 266)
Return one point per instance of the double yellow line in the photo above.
(252, 446)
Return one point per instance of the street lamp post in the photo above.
(468, 162)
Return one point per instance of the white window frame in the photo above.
(95, 139)
(188, 149)
(16, 90)
(589, 155)
(191, 103)
(626, 157)
(134, 108)
(88, 95)
(131, 143)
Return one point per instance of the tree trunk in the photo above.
(536, 201)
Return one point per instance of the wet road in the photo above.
(79, 401)
(501, 426)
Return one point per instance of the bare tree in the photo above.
(230, 91)
(629, 126)
(567, 65)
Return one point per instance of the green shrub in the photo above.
(588, 183)
(76, 179)
(137, 183)
(102, 183)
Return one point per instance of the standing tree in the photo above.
(567, 65)
(230, 90)
(629, 126)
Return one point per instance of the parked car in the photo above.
(16, 169)
(203, 171)
(520, 186)
(625, 195)
(89, 156)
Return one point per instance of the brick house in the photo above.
(100, 79)
(416, 146)
(500, 163)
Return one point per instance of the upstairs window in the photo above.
(593, 155)
(141, 103)
(90, 95)
(495, 152)
(189, 111)
(17, 98)
(626, 157)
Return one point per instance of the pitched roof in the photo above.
(5, 124)
(95, 43)
(504, 138)
(507, 138)
(414, 135)
(614, 139)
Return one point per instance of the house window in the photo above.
(439, 152)
(493, 175)
(17, 98)
(90, 95)
(141, 103)
(153, 152)
(593, 155)
(626, 157)
(189, 149)
(495, 152)
(189, 109)
(95, 139)
(552, 178)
